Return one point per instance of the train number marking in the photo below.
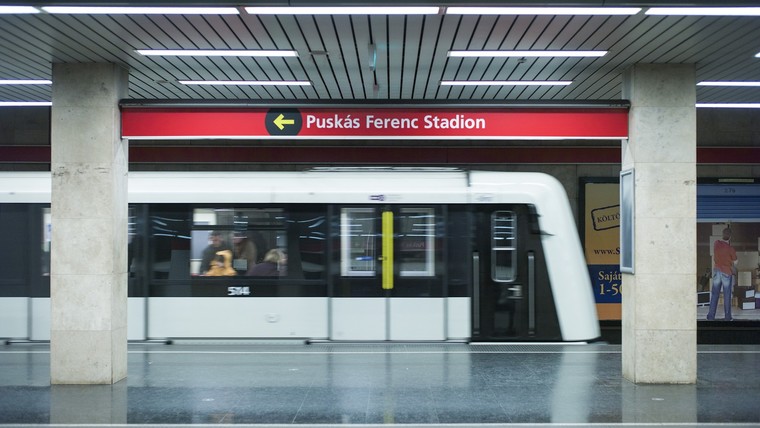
(238, 291)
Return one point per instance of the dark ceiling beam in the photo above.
(332, 155)
(443, 3)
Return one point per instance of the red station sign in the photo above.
(157, 123)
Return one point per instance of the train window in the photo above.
(416, 241)
(357, 241)
(184, 241)
(503, 246)
(234, 241)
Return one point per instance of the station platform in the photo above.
(235, 383)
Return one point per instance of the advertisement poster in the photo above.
(601, 223)
(743, 239)
(728, 235)
(729, 211)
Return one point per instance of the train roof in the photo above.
(328, 185)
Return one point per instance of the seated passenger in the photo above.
(274, 264)
(211, 256)
(245, 252)
(221, 265)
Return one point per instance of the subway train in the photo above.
(333, 254)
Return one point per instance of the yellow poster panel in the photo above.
(602, 234)
(602, 246)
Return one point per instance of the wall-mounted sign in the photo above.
(374, 123)
(627, 221)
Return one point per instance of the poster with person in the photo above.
(728, 268)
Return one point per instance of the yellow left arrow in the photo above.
(280, 121)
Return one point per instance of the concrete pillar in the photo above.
(106, 405)
(662, 405)
(88, 284)
(659, 299)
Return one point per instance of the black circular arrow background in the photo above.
(289, 114)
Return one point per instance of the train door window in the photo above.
(21, 257)
(133, 241)
(47, 234)
(503, 246)
(416, 242)
(357, 241)
(136, 250)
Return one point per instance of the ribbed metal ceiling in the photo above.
(408, 61)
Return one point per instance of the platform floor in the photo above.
(441, 385)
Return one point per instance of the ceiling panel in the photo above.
(410, 61)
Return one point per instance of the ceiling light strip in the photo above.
(147, 10)
(506, 82)
(247, 82)
(25, 82)
(728, 105)
(704, 11)
(525, 54)
(25, 103)
(18, 10)
(347, 10)
(542, 10)
(728, 83)
(211, 52)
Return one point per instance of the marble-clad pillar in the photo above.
(659, 298)
(88, 284)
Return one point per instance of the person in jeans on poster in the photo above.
(724, 274)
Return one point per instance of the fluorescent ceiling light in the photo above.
(728, 105)
(704, 11)
(542, 10)
(25, 103)
(18, 9)
(708, 83)
(357, 10)
(212, 52)
(248, 82)
(147, 10)
(25, 82)
(525, 54)
(505, 82)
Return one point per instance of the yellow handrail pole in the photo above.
(387, 256)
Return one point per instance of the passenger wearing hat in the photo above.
(211, 257)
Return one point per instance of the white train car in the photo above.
(336, 254)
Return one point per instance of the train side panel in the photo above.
(263, 318)
(178, 311)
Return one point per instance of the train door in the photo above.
(505, 264)
(388, 284)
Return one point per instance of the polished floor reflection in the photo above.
(380, 384)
